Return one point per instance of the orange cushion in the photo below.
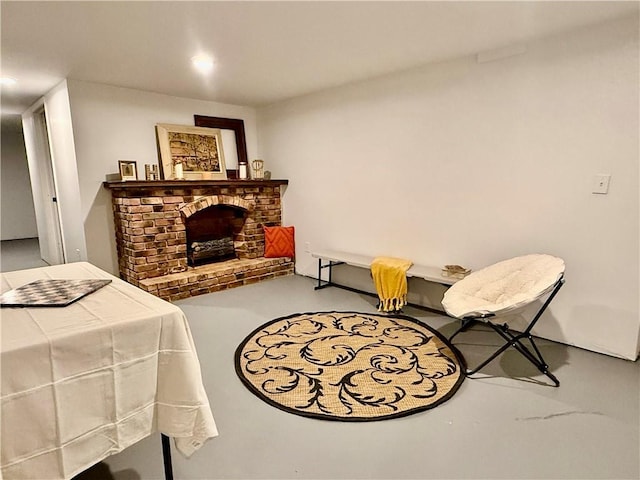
(279, 242)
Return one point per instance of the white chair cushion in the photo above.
(503, 286)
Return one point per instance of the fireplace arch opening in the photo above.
(212, 234)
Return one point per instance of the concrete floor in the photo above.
(20, 254)
(505, 424)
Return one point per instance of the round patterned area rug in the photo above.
(349, 366)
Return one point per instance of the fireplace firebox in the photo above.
(211, 233)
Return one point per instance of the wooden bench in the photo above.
(327, 259)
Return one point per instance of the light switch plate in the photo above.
(601, 184)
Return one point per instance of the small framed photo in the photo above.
(128, 169)
(191, 153)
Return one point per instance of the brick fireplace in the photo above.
(179, 238)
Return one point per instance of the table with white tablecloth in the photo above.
(85, 381)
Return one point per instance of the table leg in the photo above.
(166, 457)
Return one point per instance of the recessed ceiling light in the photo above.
(203, 63)
(7, 81)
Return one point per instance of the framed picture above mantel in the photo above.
(128, 170)
(190, 153)
(232, 129)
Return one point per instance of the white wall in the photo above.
(63, 161)
(472, 163)
(16, 202)
(112, 124)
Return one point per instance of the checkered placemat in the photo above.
(50, 293)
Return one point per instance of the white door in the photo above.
(50, 238)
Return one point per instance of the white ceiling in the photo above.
(264, 51)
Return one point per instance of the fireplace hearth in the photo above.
(177, 239)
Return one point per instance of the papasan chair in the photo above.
(490, 293)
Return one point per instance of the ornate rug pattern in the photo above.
(349, 366)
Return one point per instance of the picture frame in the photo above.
(197, 150)
(231, 128)
(128, 170)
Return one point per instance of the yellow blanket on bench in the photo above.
(390, 278)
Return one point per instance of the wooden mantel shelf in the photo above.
(146, 184)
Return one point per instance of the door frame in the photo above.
(44, 188)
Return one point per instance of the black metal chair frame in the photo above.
(514, 340)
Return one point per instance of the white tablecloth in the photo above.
(86, 381)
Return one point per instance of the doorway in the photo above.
(49, 225)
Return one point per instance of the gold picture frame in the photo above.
(197, 149)
(128, 170)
